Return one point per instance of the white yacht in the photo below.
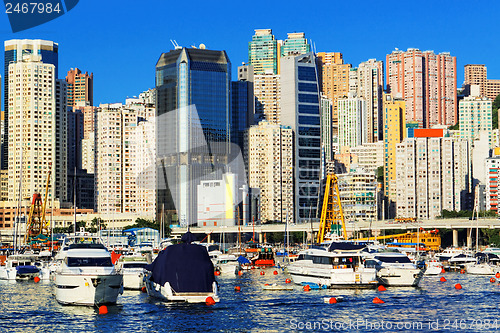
(333, 269)
(481, 268)
(133, 271)
(19, 267)
(433, 267)
(87, 275)
(396, 269)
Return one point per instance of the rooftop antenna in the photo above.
(174, 43)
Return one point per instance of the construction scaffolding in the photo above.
(332, 216)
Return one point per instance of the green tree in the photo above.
(494, 112)
(380, 174)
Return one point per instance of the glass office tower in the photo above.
(300, 105)
(193, 126)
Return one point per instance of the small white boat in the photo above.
(183, 273)
(396, 269)
(433, 267)
(133, 270)
(87, 275)
(275, 286)
(20, 267)
(481, 268)
(227, 264)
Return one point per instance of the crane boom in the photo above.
(331, 212)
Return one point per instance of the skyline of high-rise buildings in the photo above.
(339, 115)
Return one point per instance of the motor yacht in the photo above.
(433, 267)
(333, 268)
(396, 269)
(86, 275)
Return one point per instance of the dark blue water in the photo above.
(434, 307)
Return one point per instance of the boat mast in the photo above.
(74, 202)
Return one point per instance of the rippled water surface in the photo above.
(435, 306)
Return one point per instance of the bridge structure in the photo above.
(352, 227)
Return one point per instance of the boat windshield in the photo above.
(395, 259)
(89, 262)
(134, 264)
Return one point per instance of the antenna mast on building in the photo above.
(174, 43)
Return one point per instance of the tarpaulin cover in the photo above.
(242, 260)
(187, 267)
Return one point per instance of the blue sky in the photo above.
(120, 41)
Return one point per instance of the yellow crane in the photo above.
(331, 212)
(37, 225)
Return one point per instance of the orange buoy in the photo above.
(492, 280)
(217, 273)
(240, 273)
(497, 275)
(332, 300)
(377, 300)
(442, 270)
(288, 281)
(209, 301)
(275, 272)
(267, 284)
(458, 286)
(237, 288)
(103, 309)
(144, 290)
(307, 287)
(442, 279)
(462, 271)
(262, 273)
(381, 288)
(36, 279)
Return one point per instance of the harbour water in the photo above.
(434, 307)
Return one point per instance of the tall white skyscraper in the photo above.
(353, 121)
(37, 130)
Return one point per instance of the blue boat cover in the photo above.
(242, 260)
(26, 269)
(187, 267)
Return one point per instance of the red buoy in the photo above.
(209, 301)
(462, 271)
(332, 300)
(458, 286)
(36, 279)
(497, 275)
(237, 288)
(103, 309)
(288, 281)
(240, 273)
(275, 272)
(144, 290)
(492, 280)
(442, 279)
(217, 273)
(307, 287)
(381, 288)
(377, 300)
(262, 273)
(442, 270)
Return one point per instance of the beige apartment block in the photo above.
(270, 161)
(267, 97)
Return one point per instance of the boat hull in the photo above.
(90, 290)
(133, 279)
(399, 277)
(481, 269)
(335, 278)
(166, 293)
